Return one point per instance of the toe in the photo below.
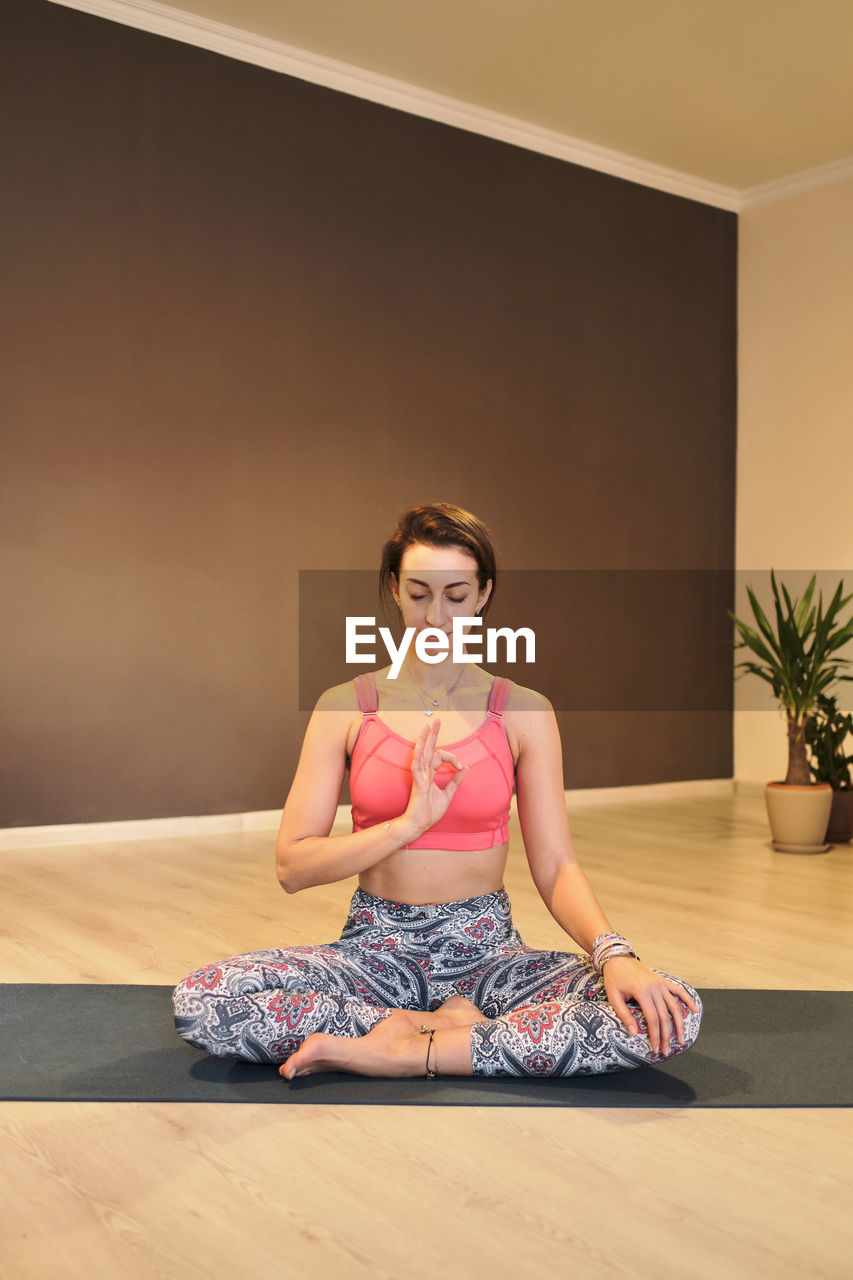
(296, 1063)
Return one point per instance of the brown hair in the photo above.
(439, 524)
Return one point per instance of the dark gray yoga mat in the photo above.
(95, 1043)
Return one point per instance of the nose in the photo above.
(435, 612)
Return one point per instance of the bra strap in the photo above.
(368, 698)
(499, 695)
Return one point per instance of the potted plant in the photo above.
(826, 732)
(796, 660)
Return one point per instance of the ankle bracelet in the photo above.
(430, 1031)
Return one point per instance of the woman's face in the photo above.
(436, 585)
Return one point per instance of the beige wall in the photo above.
(795, 432)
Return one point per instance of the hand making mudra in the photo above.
(430, 976)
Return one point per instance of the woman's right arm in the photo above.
(306, 854)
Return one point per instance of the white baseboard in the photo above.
(268, 819)
(750, 787)
(650, 792)
(139, 829)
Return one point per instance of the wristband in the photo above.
(608, 945)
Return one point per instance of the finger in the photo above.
(426, 742)
(430, 732)
(666, 1026)
(677, 1018)
(683, 994)
(669, 1022)
(454, 781)
(447, 757)
(418, 772)
(624, 1014)
(432, 756)
(653, 1021)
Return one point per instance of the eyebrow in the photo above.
(449, 585)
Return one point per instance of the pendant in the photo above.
(427, 713)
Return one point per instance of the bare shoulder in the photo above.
(530, 718)
(335, 719)
(340, 697)
(522, 699)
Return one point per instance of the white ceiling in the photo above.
(734, 93)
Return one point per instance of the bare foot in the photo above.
(456, 1012)
(393, 1048)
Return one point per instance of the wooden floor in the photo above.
(126, 1190)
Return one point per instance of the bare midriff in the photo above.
(427, 877)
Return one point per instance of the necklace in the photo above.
(435, 701)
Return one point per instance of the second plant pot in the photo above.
(840, 828)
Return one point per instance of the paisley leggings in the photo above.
(547, 1011)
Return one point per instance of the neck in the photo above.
(433, 676)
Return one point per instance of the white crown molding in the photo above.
(796, 183)
(177, 24)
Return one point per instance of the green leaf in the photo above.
(804, 603)
(760, 618)
(753, 641)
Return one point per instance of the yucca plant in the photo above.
(798, 672)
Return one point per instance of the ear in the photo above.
(484, 595)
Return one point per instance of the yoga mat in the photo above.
(92, 1043)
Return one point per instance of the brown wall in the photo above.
(248, 320)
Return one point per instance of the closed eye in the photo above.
(452, 599)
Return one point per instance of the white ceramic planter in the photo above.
(798, 816)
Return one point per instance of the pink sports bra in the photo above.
(381, 776)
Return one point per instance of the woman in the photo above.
(429, 975)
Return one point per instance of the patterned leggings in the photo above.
(548, 1012)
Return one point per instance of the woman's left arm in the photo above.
(562, 885)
